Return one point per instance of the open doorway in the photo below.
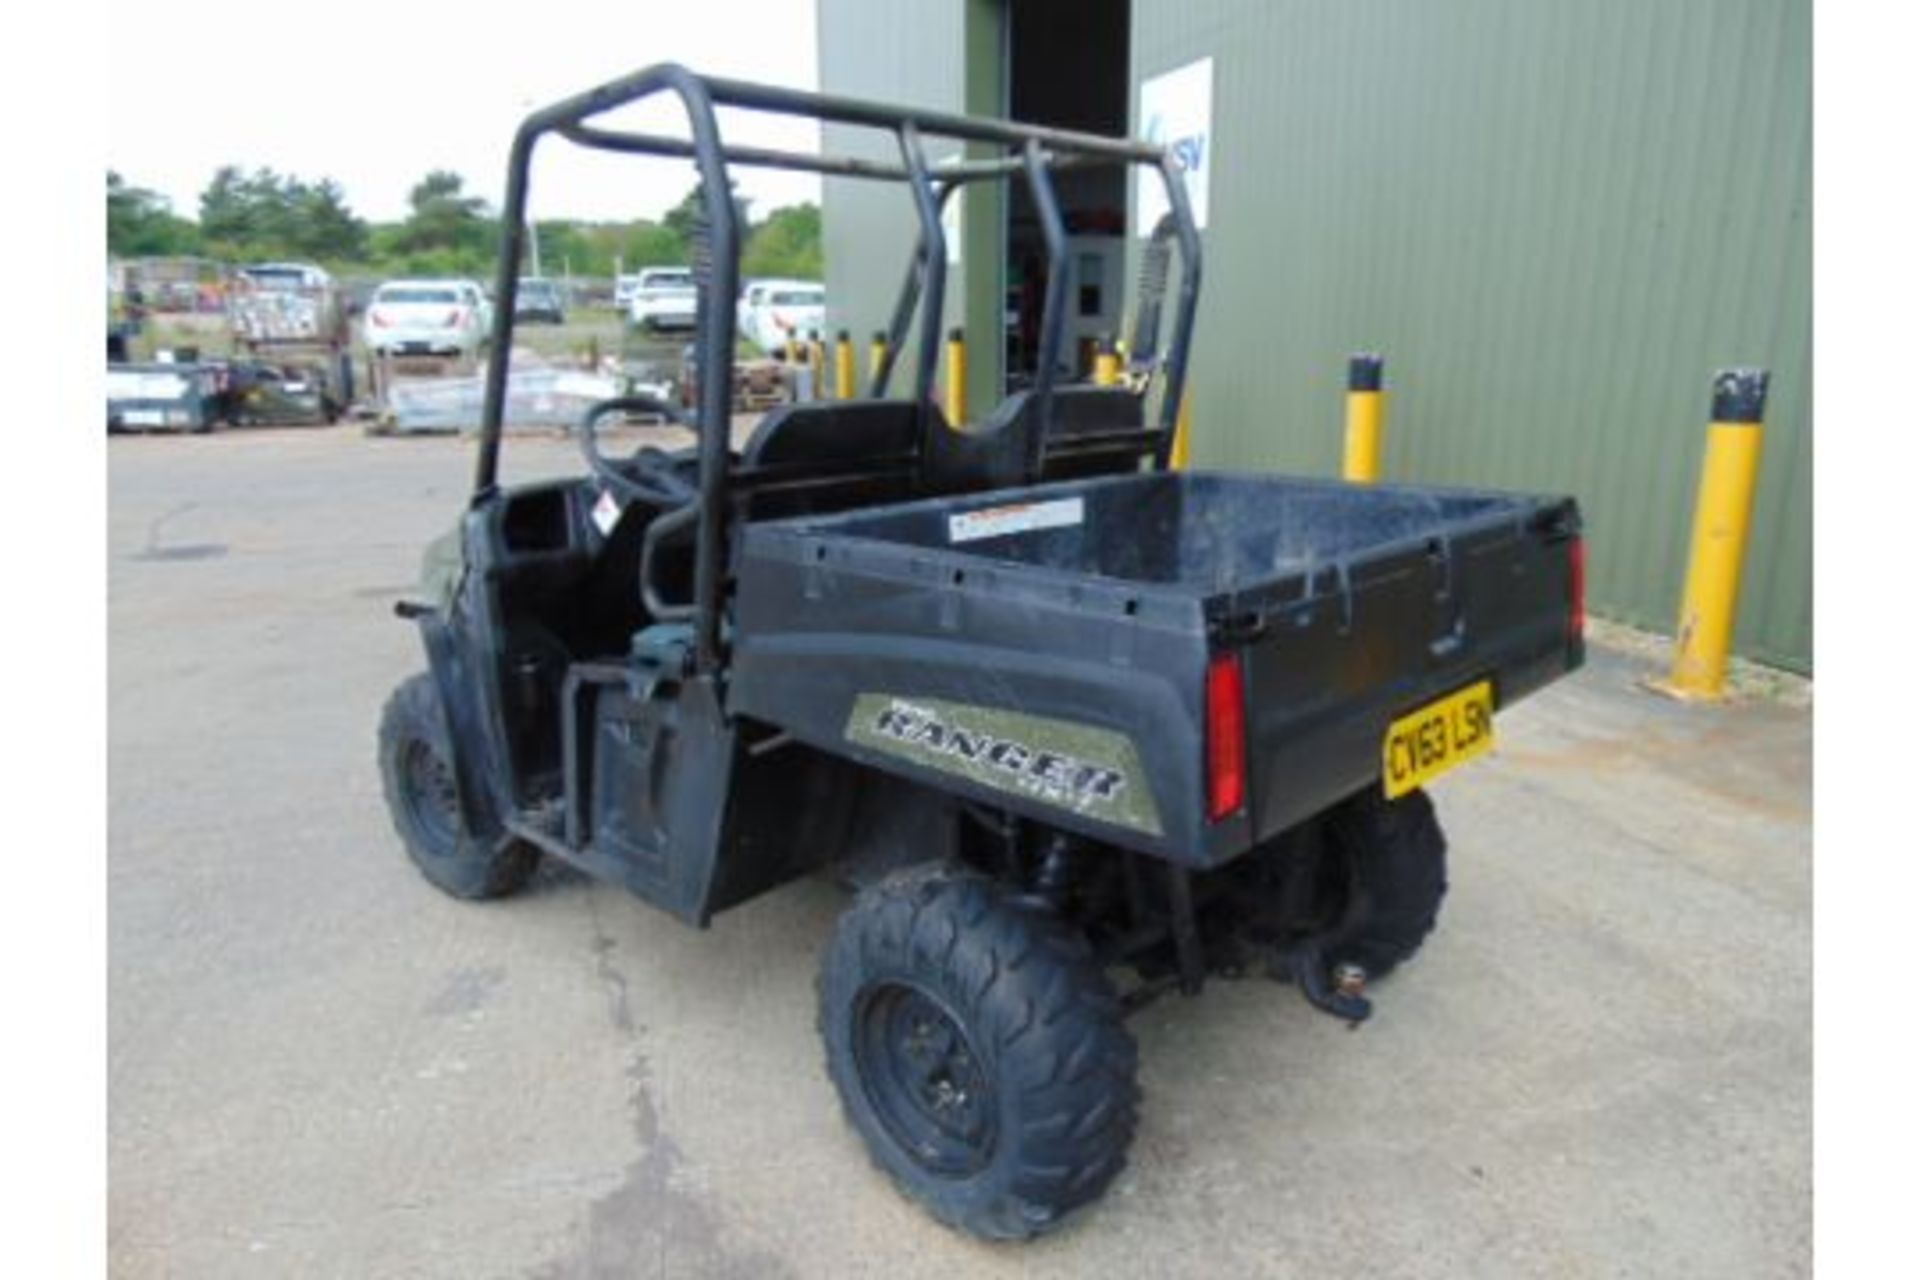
(1067, 67)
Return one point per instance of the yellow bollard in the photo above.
(1720, 523)
(876, 355)
(843, 366)
(817, 365)
(956, 406)
(1183, 432)
(1106, 364)
(1366, 418)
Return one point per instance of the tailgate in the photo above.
(1373, 641)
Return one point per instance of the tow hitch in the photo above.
(1338, 989)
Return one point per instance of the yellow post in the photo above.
(1366, 418)
(1106, 364)
(843, 366)
(1720, 523)
(817, 365)
(1183, 432)
(876, 355)
(956, 406)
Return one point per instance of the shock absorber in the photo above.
(1060, 861)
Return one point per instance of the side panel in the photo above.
(1071, 712)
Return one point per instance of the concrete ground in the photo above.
(1600, 1066)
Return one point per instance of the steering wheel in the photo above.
(653, 481)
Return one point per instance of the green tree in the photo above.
(142, 223)
(244, 214)
(323, 226)
(786, 244)
(446, 220)
(264, 214)
(649, 244)
(688, 219)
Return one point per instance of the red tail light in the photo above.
(1226, 736)
(1577, 588)
(379, 321)
(456, 318)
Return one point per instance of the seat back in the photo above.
(823, 456)
(1092, 431)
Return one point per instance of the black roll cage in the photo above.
(1031, 151)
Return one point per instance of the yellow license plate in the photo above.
(1423, 744)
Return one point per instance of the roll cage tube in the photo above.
(1032, 150)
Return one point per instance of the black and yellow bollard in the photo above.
(1366, 418)
(1722, 518)
(876, 356)
(816, 366)
(843, 366)
(956, 406)
(1106, 364)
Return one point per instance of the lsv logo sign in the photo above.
(1189, 152)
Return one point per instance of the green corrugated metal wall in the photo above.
(931, 53)
(895, 53)
(1555, 217)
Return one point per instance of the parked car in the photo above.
(428, 317)
(780, 311)
(539, 299)
(663, 298)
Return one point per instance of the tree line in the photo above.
(263, 215)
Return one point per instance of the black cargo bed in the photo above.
(1196, 532)
(1099, 602)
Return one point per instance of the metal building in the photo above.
(1555, 218)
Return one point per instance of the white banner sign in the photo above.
(1176, 111)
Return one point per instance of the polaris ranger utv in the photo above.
(1083, 727)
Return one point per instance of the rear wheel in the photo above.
(979, 1051)
(416, 772)
(1394, 857)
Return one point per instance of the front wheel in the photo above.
(416, 772)
(979, 1051)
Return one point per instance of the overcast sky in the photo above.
(374, 95)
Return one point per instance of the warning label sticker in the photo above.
(1018, 517)
(606, 513)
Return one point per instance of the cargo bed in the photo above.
(1075, 622)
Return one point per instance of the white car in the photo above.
(782, 311)
(428, 317)
(664, 298)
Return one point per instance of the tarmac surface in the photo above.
(1599, 1066)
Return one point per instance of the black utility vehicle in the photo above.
(1069, 717)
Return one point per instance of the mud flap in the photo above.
(649, 769)
(467, 738)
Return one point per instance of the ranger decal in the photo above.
(1085, 768)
